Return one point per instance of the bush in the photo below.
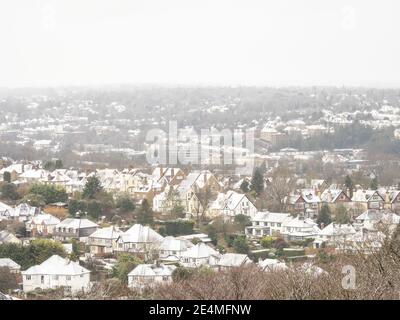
(240, 245)
(266, 242)
(178, 227)
(50, 194)
(125, 264)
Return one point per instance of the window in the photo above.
(28, 277)
(68, 278)
(81, 275)
(55, 277)
(165, 278)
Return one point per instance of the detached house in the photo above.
(171, 248)
(139, 239)
(231, 204)
(148, 275)
(70, 228)
(56, 272)
(232, 260)
(103, 240)
(10, 264)
(306, 202)
(266, 224)
(42, 225)
(334, 234)
(199, 255)
(299, 229)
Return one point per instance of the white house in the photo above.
(70, 228)
(24, 212)
(6, 211)
(56, 272)
(104, 240)
(335, 234)
(139, 239)
(232, 260)
(238, 203)
(272, 265)
(8, 237)
(42, 224)
(10, 264)
(148, 275)
(299, 229)
(370, 220)
(199, 255)
(266, 224)
(171, 248)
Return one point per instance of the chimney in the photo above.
(329, 194)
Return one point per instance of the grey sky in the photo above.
(219, 42)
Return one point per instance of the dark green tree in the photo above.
(94, 209)
(245, 186)
(125, 204)
(91, 188)
(9, 191)
(257, 181)
(241, 245)
(324, 215)
(374, 184)
(144, 214)
(349, 185)
(341, 215)
(50, 194)
(125, 264)
(7, 177)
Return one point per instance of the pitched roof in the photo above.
(152, 270)
(233, 260)
(7, 262)
(271, 217)
(173, 244)
(200, 250)
(76, 223)
(106, 233)
(45, 219)
(56, 265)
(141, 234)
(334, 229)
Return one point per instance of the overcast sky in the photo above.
(217, 42)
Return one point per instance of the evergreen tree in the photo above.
(257, 181)
(324, 215)
(7, 177)
(341, 215)
(145, 214)
(91, 188)
(245, 186)
(374, 184)
(349, 185)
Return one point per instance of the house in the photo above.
(271, 265)
(23, 212)
(307, 201)
(6, 211)
(334, 198)
(334, 234)
(372, 219)
(232, 260)
(266, 224)
(368, 199)
(148, 275)
(199, 255)
(392, 199)
(42, 225)
(139, 239)
(56, 272)
(8, 237)
(103, 240)
(171, 248)
(299, 228)
(231, 204)
(71, 228)
(10, 264)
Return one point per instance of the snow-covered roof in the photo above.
(56, 265)
(44, 219)
(271, 217)
(8, 263)
(141, 234)
(200, 250)
(272, 265)
(106, 233)
(233, 260)
(76, 223)
(336, 229)
(152, 270)
(174, 244)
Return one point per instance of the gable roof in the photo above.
(140, 234)
(199, 251)
(106, 233)
(44, 219)
(76, 223)
(8, 263)
(56, 265)
(233, 260)
(152, 270)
